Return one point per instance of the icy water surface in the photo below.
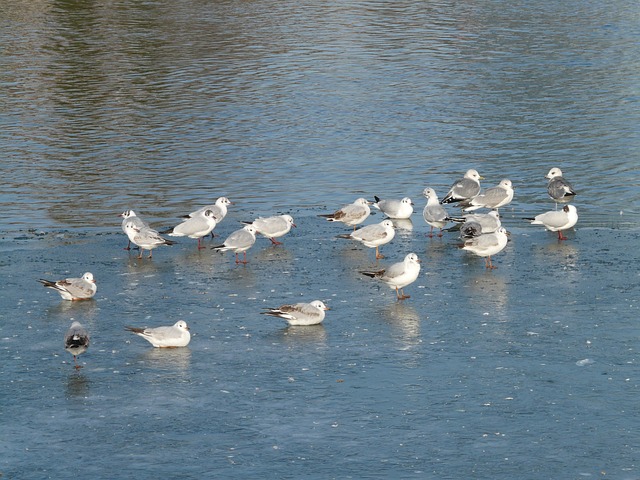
(527, 371)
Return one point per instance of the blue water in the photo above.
(528, 371)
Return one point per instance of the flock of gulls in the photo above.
(481, 233)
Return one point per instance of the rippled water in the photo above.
(529, 371)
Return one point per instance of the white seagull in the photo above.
(74, 288)
(434, 214)
(174, 336)
(239, 241)
(300, 313)
(373, 236)
(351, 214)
(219, 209)
(464, 189)
(559, 189)
(198, 226)
(399, 275)
(273, 227)
(557, 220)
(494, 197)
(76, 341)
(145, 237)
(129, 216)
(487, 244)
(396, 209)
(475, 224)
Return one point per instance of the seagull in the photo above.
(165, 337)
(129, 216)
(273, 227)
(374, 235)
(487, 244)
(76, 341)
(557, 220)
(198, 226)
(300, 313)
(399, 275)
(434, 214)
(494, 198)
(74, 288)
(559, 189)
(351, 214)
(397, 209)
(475, 224)
(146, 238)
(219, 209)
(239, 241)
(464, 189)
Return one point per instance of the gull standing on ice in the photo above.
(396, 209)
(351, 214)
(487, 244)
(494, 198)
(129, 216)
(219, 209)
(559, 189)
(76, 341)
(300, 313)
(198, 226)
(464, 189)
(74, 288)
(145, 237)
(557, 220)
(399, 275)
(239, 241)
(165, 337)
(273, 227)
(434, 214)
(476, 224)
(374, 235)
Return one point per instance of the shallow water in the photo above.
(527, 371)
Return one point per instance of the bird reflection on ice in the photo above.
(85, 310)
(490, 293)
(170, 359)
(77, 385)
(406, 320)
(304, 334)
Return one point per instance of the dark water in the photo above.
(528, 371)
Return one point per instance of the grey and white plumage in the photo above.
(300, 313)
(239, 242)
(434, 213)
(76, 341)
(177, 335)
(219, 209)
(557, 220)
(559, 189)
(399, 275)
(129, 216)
(475, 224)
(351, 214)
(392, 208)
(273, 227)
(82, 288)
(374, 236)
(494, 197)
(464, 189)
(197, 226)
(145, 237)
(487, 244)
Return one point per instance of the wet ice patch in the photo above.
(584, 362)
